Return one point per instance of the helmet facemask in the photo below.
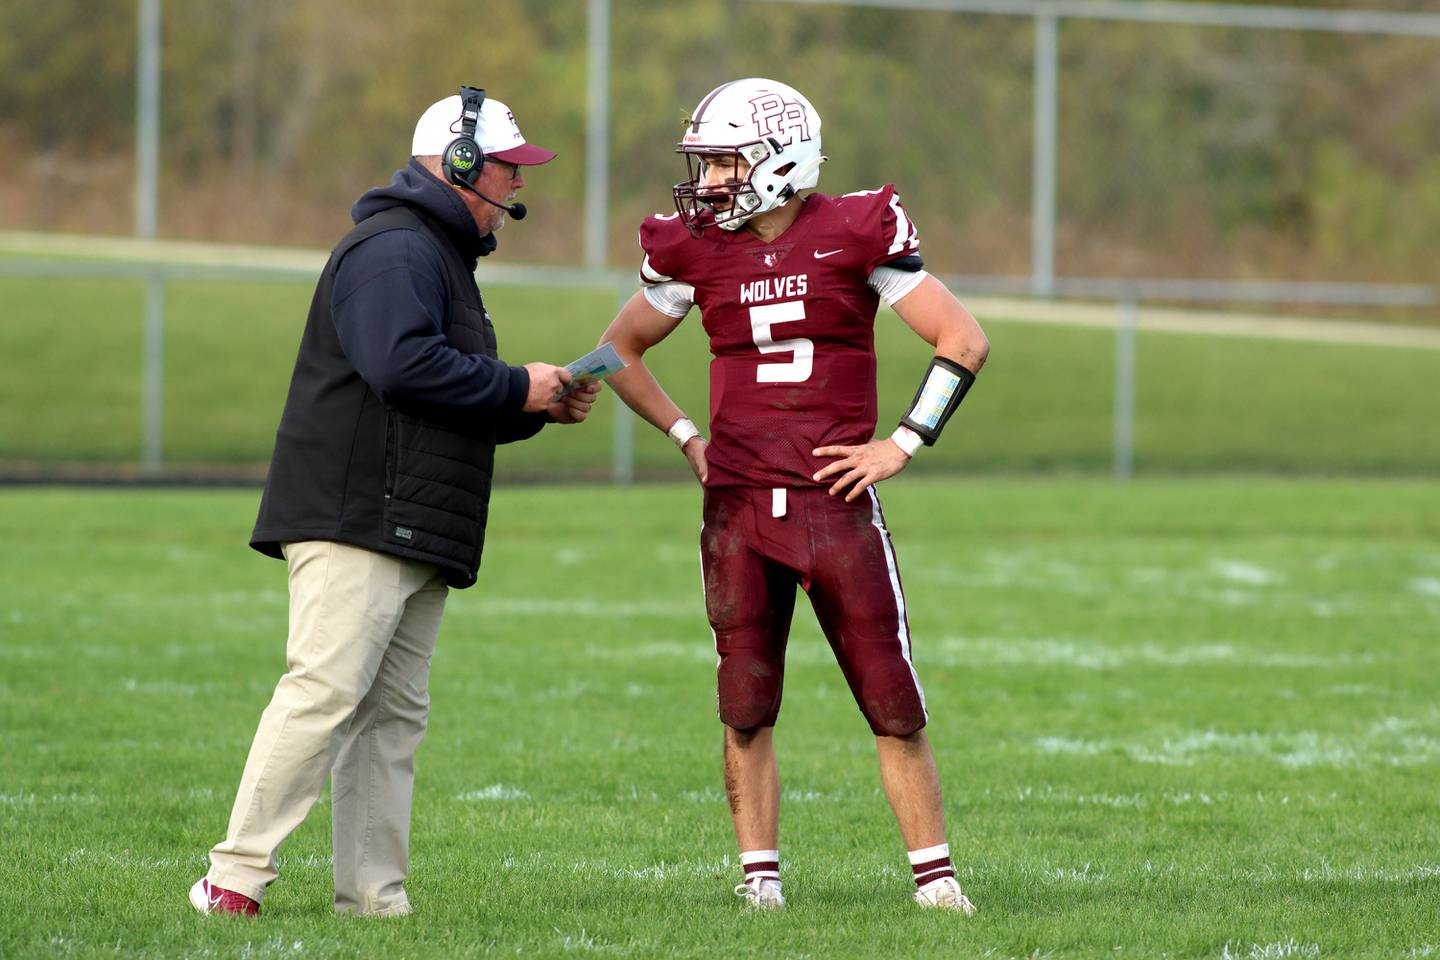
(697, 201)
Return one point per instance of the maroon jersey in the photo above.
(792, 329)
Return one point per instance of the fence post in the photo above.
(1042, 213)
(147, 118)
(152, 444)
(597, 135)
(1125, 388)
(147, 189)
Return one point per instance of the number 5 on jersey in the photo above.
(796, 370)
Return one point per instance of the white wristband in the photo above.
(907, 440)
(682, 431)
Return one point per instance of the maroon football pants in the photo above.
(841, 555)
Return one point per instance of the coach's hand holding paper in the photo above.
(595, 366)
(574, 405)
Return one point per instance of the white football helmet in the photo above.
(769, 125)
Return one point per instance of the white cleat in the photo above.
(762, 894)
(944, 894)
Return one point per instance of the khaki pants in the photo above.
(353, 704)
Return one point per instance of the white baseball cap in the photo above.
(496, 133)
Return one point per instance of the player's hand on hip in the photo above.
(575, 407)
(546, 382)
(860, 467)
(694, 451)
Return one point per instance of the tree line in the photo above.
(1184, 151)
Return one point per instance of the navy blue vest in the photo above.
(412, 482)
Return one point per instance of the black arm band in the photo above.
(944, 386)
(911, 263)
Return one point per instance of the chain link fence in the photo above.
(1187, 152)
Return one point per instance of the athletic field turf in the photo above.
(1180, 718)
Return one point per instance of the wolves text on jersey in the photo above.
(775, 288)
(790, 326)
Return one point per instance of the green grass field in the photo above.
(72, 387)
(1175, 718)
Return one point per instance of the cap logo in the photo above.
(776, 116)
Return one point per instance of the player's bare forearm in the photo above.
(636, 328)
(942, 321)
(642, 393)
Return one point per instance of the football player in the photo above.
(788, 285)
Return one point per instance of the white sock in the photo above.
(929, 864)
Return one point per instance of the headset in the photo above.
(463, 160)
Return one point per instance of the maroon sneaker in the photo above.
(208, 898)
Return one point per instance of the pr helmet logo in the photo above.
(775, 115)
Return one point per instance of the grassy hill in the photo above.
(72, 386)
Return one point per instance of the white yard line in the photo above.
(1288, 947)
(1091, 654)
(580, 606)
(1394, 743)
(1249, 574)
(496, 791)
(1426, 586)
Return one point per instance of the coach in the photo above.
(377, 498)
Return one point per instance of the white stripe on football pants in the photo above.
(878, 521)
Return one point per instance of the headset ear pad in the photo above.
(462, 161)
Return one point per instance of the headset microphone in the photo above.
(516, 210)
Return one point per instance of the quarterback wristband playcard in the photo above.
(944, 386)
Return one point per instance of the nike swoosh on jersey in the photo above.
(828, 253)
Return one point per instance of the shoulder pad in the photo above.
(663, 238)
(883, 226)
